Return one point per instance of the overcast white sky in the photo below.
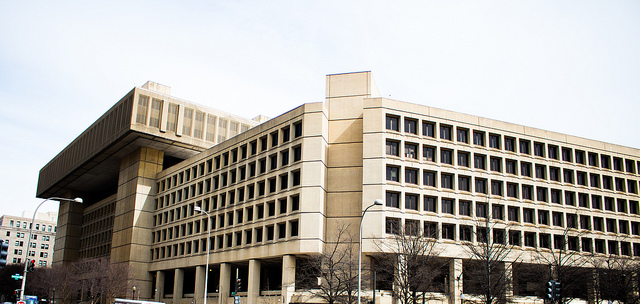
(64, 63)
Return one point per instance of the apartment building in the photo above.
(15, 232)
(261, 200)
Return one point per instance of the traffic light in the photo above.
(31, 264)
(239, 287)
(550, 290)
(4, 247)
(556, 291)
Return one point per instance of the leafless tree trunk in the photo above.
(333, 274)
(616, 279)
(486, 273)
(409, 261)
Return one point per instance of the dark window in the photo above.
(495, 164)
(622, 205)
(556, 196)
(568, 176)
(572, 221)
(478, 138)
(412, 227)
(512, 190)
(429, 178)
(618, 164)
(393, 123)
(558, 219)
(541, 194)
(580, 159)
(481, 210)
(411, 201)
(538, 149)
(448, 231)
(392, 225)
(543, 217)
(466, 233)
(581, 178)
(411, 176)
(606, 182)
(530, 239)
(430, 203)
(528, 215)
(567, 154)
(464, 208)
(545, 240)
(554, 174)
(596, 201)
(393, 199)
(480, 161)
(553, 152)
(393, 173)
(445, 132)
(510, 144)
(464, 183)
(587, 245)
(630, 166)
(496, 187)
(431, 230)
(514, 214)
(428, 129)
(585, 222)
(297, 153)
(429, 153)
(410, 150)
(411, 126)
(527, 192)
(514, 237)
(605, 161)
(297, 129)
(447, 181)
(497, 212)
(511, 167)
(494, 141)
(481, 185)
(598, 224)
(541, 171)
(463, 135)
(525, 169)
(593, 159)
(463, 159)
(446, 156)
(525, 146)
(570, 198)
(447, 206)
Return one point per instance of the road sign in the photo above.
(16, 277)
(21, 302)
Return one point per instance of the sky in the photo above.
(566, 66)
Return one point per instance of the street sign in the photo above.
(21, 302)
(16, 277)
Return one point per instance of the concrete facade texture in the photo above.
(277, 190)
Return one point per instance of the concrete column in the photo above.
(253, 286)
(288, 277)
(159, 285)
(225, 274)
(177, 285)
(508, 276)
(455, 280)
(198, 296)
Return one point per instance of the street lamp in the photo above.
(206, 271)
(134, 293)
(377, 202)
(26, 263)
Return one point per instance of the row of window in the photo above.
(235, 217)
(470, 233)
(39, 227)
(524, 146)
(235, 155)
(255, 235)
(510, 166)
(19, 260)
(237, 175)
(96, 251)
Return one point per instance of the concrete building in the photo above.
(276, 191)
(14, 230)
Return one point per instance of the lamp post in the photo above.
(206, 271)
(134, 293)
(26, 263)
(377, 202)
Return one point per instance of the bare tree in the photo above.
(100, 280)
(486, 273)
(616, 278)
(333, 274)
(408, 260)
(567, 265)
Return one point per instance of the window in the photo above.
(393, 173)
(392, 225)
(570, 198)
(445, 132)
(393, 123)
(411, 176)
(525, 169)
(447, 206)
(596, 201)
(528, 215)
(556, 196)
(598, 224)
(568, 176)
(511, 166)
(480, 161)
(630, 166)
(392, 148)
(411, 201)
(525, 146)
(410, 150)
(412, 227)
(606, 182)
(463, 135)
(428, 128)
(512, 190)
(622, 205)
(297, 129)
(581, 178)
(463, 159)
(447, 181)
(393, 199)
(478, 138)
(617, 164)
(481, 185)
(557, 219)
(514, 213)
(429, 153)
(466, 233)
(446, 156)
(430, 203)
(572, 221)
(448, 231)
(567, 154)
(464, 208)
(543, 217)
(541, 194)
(429, 178)
(541, 171)
(538, 149)
(481, 210)
(514, 237)
(411, 126)
(495, 164)
(580, 159)
(510, 144)
(494, 141)
(464, 183)
(496, 187)
(593, 159)
(605, 161)
(498, 212)
(431, 230)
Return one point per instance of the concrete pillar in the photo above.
(508, 276)
(455, 280)
(288, 277)
(253, 286)
(159, 294)
(198, 295)
(223, 291)
(177, 285)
